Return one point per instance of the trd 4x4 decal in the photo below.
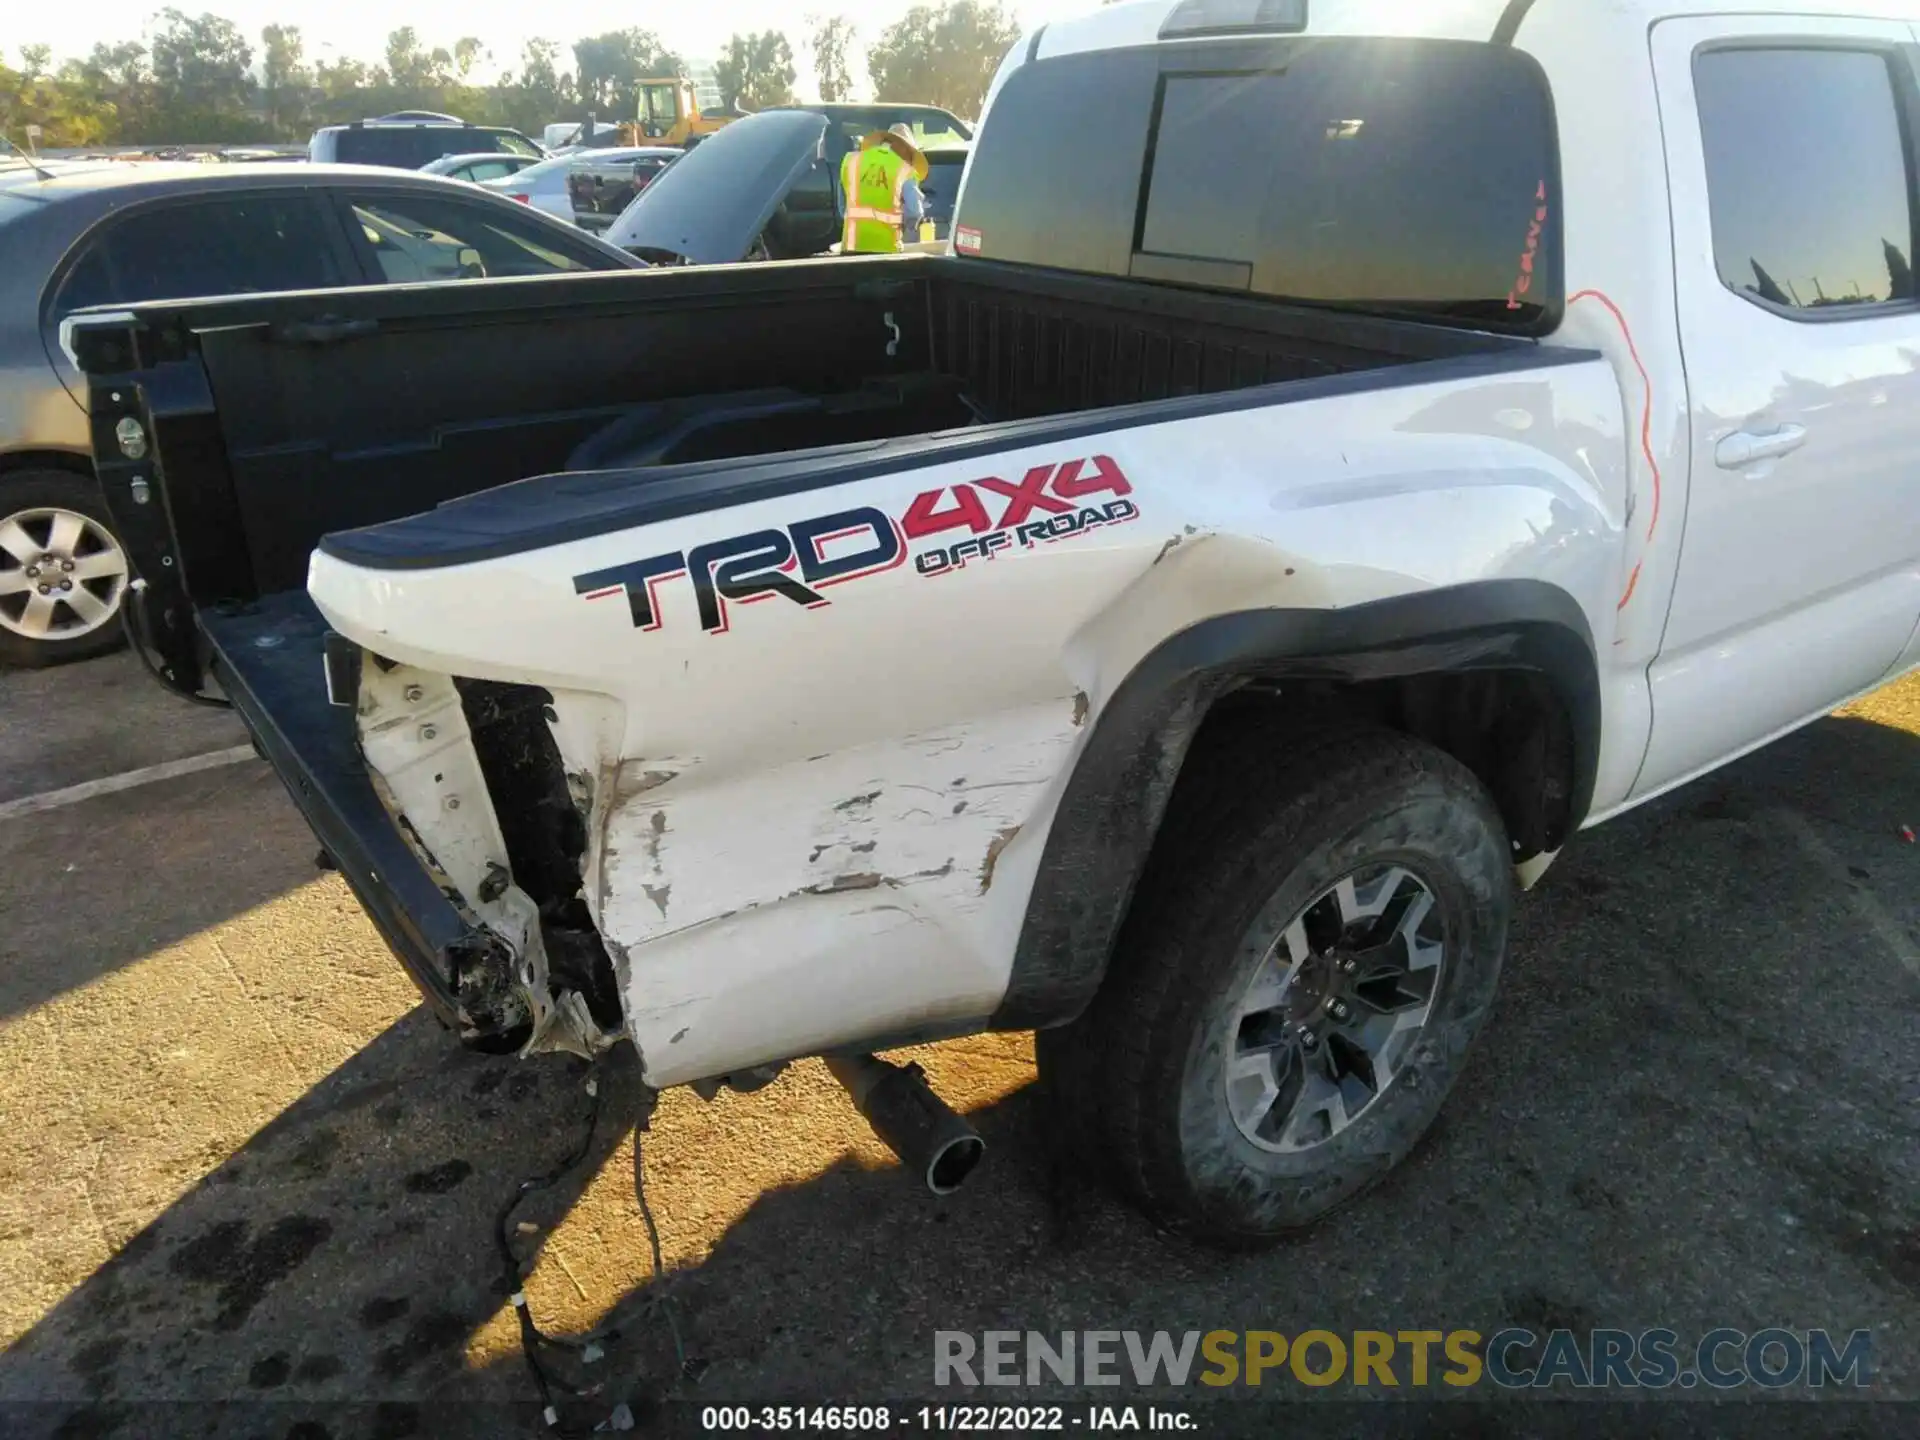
(805, 558)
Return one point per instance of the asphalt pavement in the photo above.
(248, 1186)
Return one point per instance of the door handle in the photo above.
(1744, 448)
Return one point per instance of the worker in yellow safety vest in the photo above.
(880, 180)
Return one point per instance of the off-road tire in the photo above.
(1135, 1085)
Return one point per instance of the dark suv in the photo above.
(412, 138)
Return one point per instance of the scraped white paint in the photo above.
(853, 887)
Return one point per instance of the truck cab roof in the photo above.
(1148, 22)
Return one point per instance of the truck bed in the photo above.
(346, 409)
(418, 446)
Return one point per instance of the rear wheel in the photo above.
(63, 573)
(1309, 956)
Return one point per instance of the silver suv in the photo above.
(115, 232)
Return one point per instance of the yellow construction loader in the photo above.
(670, 113)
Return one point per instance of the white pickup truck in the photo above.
(1351, 447)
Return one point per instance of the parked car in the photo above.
(548, 185)
(1179, 619)
(494, 165)
(602, 185)
(768, 185)
(109, 233)
(410, 139)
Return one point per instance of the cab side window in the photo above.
(204, 247)
(1809, 186)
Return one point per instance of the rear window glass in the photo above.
(1201, 199)
(488, 169)
(938, 129)
(1402, 176)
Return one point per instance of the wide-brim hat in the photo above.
(900, 146)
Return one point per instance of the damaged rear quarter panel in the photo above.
(851, 891)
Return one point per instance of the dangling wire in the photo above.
(592, 1345)
(659, 1265)
(532, 1338)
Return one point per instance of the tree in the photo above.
(1899, 272)
(122, 66)
(756, 71)
(194, 82)
(943, 56)
(831, 39)
(411, 68)
(609, 67)
(540, 93)
(202, 84)
(537, 71)
(200, 64)
(468, 51)
(116, 77)
(341, 80)
(284, 78)
(65, 113)
(1766, 287)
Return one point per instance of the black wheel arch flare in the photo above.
(1118, 793)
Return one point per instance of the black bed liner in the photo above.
(396, 420)
(556, 509)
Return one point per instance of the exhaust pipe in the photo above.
(931, 1140)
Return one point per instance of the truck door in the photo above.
(1790, 162)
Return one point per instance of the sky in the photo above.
(358, 29)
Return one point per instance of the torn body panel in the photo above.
(419, 748)
(869, 892)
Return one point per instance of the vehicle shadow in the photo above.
(1679, 1115)
(346, 1250)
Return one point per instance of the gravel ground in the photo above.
(250, 1188)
